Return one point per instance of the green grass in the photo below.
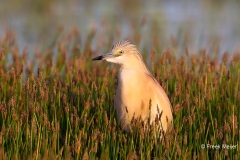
(59, 105)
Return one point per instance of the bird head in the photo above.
(121, 53)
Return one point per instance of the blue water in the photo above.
(205, 24)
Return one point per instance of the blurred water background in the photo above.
(182, 23)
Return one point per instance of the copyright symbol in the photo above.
(202, 146)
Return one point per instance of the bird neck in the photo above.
(135, 63)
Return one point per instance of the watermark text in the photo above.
(219, 146)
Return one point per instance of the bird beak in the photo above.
(103, 57)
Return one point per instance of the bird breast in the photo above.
(134, 91)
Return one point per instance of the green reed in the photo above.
(60, 105)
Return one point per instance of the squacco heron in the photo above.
(136, 87)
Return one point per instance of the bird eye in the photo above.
(121, 52)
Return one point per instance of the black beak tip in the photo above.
(97, 58)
